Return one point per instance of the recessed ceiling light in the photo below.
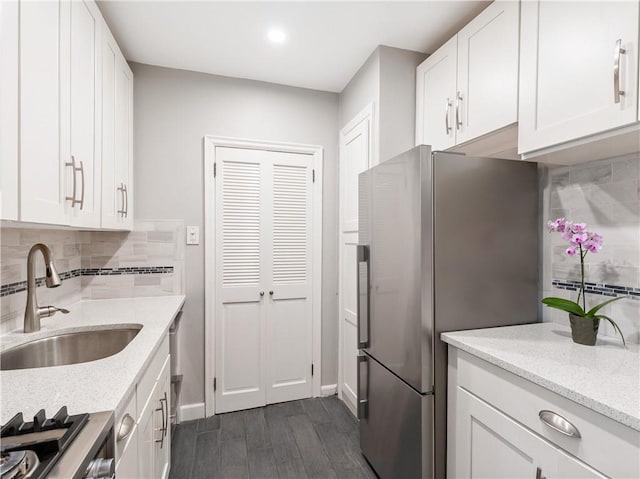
(275, 35)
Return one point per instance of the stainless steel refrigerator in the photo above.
(446, 242)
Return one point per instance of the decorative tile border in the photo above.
(598, 288)
(13, 288)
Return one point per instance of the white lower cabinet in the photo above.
(143, 429)
(489, 444)
(495, 429)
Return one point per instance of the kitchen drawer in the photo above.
(605, 444)
(126, 418)
(149, 378)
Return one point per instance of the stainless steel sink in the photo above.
(68, 348)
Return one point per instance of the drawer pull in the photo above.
(560, 424)
(126, 426)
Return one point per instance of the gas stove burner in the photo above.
(9, 460)
(18, 464)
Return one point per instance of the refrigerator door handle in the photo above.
(363, 296)
(363, 386)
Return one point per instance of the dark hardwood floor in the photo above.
(311, 438)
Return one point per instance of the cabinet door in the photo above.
(127, 466)
(84, 119)
(117, 86)
(488, 444)
(9, 35)
(435, 98)
(42, 185)
(147, 437)
(487, 96)
(569, 51)
(162, 447)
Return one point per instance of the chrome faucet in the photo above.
(33, 312)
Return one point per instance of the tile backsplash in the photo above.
(606, 195)
(148, 261)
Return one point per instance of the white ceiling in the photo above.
(326, 41)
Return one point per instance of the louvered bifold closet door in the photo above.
(289, 311)
(241, 220)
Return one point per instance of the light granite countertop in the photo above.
(94, 386)
(604, 377)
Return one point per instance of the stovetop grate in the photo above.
(36, 436)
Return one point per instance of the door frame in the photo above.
(210, 143)
(366, 114)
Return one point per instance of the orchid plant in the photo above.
(581, 242)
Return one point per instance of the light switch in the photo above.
(193, 235)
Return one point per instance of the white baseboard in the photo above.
(188, 412)
(328, 390)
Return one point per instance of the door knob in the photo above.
(261, 293)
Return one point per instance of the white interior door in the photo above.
(263, 312)
(355, 154)
(289, 315)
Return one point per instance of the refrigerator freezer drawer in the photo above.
(396, 426)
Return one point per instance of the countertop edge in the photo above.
(147, 361)
(590, 403)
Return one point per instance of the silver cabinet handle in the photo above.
(81, 169)
(74, 170)
(363, 387)
(163, 429)
(539, 474)
(126, 426)
(617, 92)
(447, 112)
(363, 296)
(458, 114)
(166, 407)
(72, 164)
(121, 190)
(558, 423)
(126, 201)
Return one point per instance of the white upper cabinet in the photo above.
(578, 71)
(435, 97)
(84, 147)
(469, 86)
(487, 97)
(117, 138)
(42, 168)
(56, 51)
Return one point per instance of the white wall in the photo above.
(397, 120)
(174, 109)
(388, 79)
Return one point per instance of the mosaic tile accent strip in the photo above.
(7, 289)
(598, 288)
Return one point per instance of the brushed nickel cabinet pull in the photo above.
(126, 426)
(447, 112)
(458, 114)
(121, 190)
(81, 202)
(558, 423)
(126, 201)
(539, 474)
(72, 164)
(617, 91)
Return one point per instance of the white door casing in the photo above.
(263, 234)
(356, 140)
